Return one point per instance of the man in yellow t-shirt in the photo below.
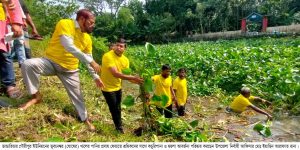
(241, 102)
(180, 89)
(163, 86)
(69, 44)
(113, 63)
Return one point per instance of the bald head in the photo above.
(86, 20)
(85, 13)
(245, 91)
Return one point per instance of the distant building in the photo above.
(257, 18)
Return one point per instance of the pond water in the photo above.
(284, 129)
(239, 127)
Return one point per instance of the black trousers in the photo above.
(180, 110)
(168, 114)
(113, 100)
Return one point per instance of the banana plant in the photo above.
(149, 54)
(152, 121)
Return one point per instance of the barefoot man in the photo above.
(69, 44)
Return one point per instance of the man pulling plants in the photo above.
(243, 101)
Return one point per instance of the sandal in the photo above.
(36, 37)
(14, 92)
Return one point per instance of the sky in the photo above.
(81, 5)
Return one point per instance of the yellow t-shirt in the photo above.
(57, 53)
(181, 90)
(2, 13)
(162, 87)
(240, 103)
(109, 60)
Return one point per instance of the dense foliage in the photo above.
(162, 20)
(46, 14)
(269, 66)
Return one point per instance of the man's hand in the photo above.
(176, 104)
(266, 102)
(17, 29)
(174, 99)
(34, 32)
(147, 95)
(95, 66)
(99, 83)
(9, 4)
(137, 80)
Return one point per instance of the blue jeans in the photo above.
(18, 50)
(21, 49)
(7, 74)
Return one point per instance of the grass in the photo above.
(51, 118)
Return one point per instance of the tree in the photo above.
(114, 6)
(125, 22)
(97, 6)
(46, 14)
(200, 7)
(105, 26)
(156, 19)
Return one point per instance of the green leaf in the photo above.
(267, 132)
(194, 123)
(258, 127)
(202, 137)
(150, 48)
(55, 139)
(164, 100)
(148, 84)
(127, 71)
(59, 126)
(128, 101)
(288, 81)
(296, 78)
(149, 72)
(156, 98)
(161, 120)
(262, 129)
